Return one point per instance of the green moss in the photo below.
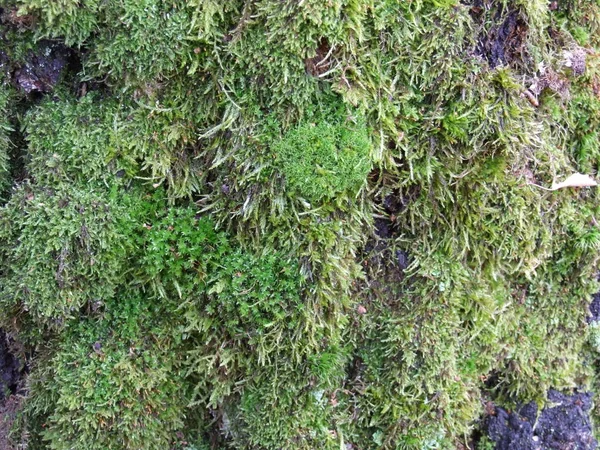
(5, 141)
(251, 303)
(71, 20)
(248, 293)
(228, 174)
(321, 160)
(177, 251)
(113, 382)
(60, 250)
(293, 411)
(72, 142)
(108, 142)
(127, 47)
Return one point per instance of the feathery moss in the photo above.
(332, 215)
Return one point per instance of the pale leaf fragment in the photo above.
(575, 180)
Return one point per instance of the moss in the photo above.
(112, 383)
(5, 141)
(67, 250)
(255, 293)
(71, 142)
(322, 159)
(251, 304)
(300, 412)
(177, 249)
(218, 191)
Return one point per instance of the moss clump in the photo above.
(250, 293)
(177, 251)
(126, 36)
(102, 141)
(294, 410)
(112, 382)
(321, 160)
(72, 142)
(67, 250)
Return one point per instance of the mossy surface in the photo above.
(297, 225)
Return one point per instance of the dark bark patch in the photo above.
(43, 69)
(563, 425)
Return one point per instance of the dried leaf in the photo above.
(575, 180)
